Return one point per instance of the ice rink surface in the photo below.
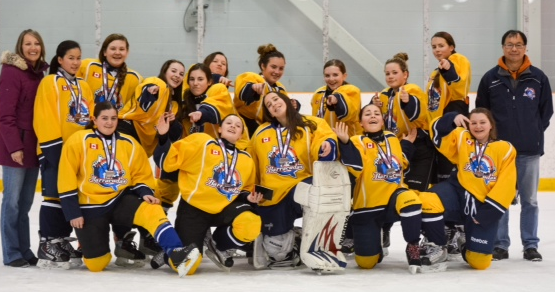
(514, 274)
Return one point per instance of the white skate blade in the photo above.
(214, 259)
(435, 268)
(414, 269)
(75, 262)
(186, 266)
(46, 264)
(129, 263)
(455, 258)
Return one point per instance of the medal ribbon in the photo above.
(390, 102)
(229, 169)
(283, 148)
(112, 94)
(386, 156)
(480, 151)
(110, 156)
(322, 109)
(75, 99)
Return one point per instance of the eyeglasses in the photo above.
(517, 46)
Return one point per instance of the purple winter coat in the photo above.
(18, 88)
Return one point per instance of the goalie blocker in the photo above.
(326, 205)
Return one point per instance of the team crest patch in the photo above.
(82, 118)
(96, 75)
(217, 181)
(108, 178)
(530, 93)
(284, 165)
(389, 173)
(484, 168)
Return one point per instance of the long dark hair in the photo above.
(121, 71)
(61, 51)
(98, 108)
(294, 119)
(189, 98)
(177, 93)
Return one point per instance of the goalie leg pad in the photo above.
(278, 247)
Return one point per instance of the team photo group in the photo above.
(239, 163)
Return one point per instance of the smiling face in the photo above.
(231, 129)
(371, 119)
(273, 71)
(276, 106)
(116, 53)
(198, 82)
(175, 74)
(106, 121)
(480, 127)
(334, 77)
(219, 65)
(511, 52)
(31, 49)
(441, 49)
(71, 61)
(394, 76)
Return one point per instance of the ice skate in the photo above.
(51, 255)
(75, 256)
(184, 258)
(127, 254)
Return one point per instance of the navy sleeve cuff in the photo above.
(70, 205)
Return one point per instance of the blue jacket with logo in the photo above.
(521, 108)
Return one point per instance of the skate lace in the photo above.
(53, 246)
(470, 206)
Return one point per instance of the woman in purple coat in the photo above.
(21, 74)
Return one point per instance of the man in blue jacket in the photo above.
(519, 96)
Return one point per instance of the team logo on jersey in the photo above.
(106, 178)
(530, 93)
(217, 181)
(434, 96)
(82, 118)
(96, 75)
(99, 97)
(485, 167)
(323, 246)
(391, 173)
(286, 165)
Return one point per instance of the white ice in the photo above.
(514, 274)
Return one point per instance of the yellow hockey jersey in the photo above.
(488, 175)
(199, 158)
(85, 180)
(279, 176)
(380, 175)
(59, 112)
(414, 115)
(144, 109)
(346, 110)
(249, 103)
(91, 72)
(454, 84)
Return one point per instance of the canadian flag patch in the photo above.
(266, 139)
(215, 152)
(469, 142)
(96, 75)
(93, 146)
(370, 145)
(64, 88)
